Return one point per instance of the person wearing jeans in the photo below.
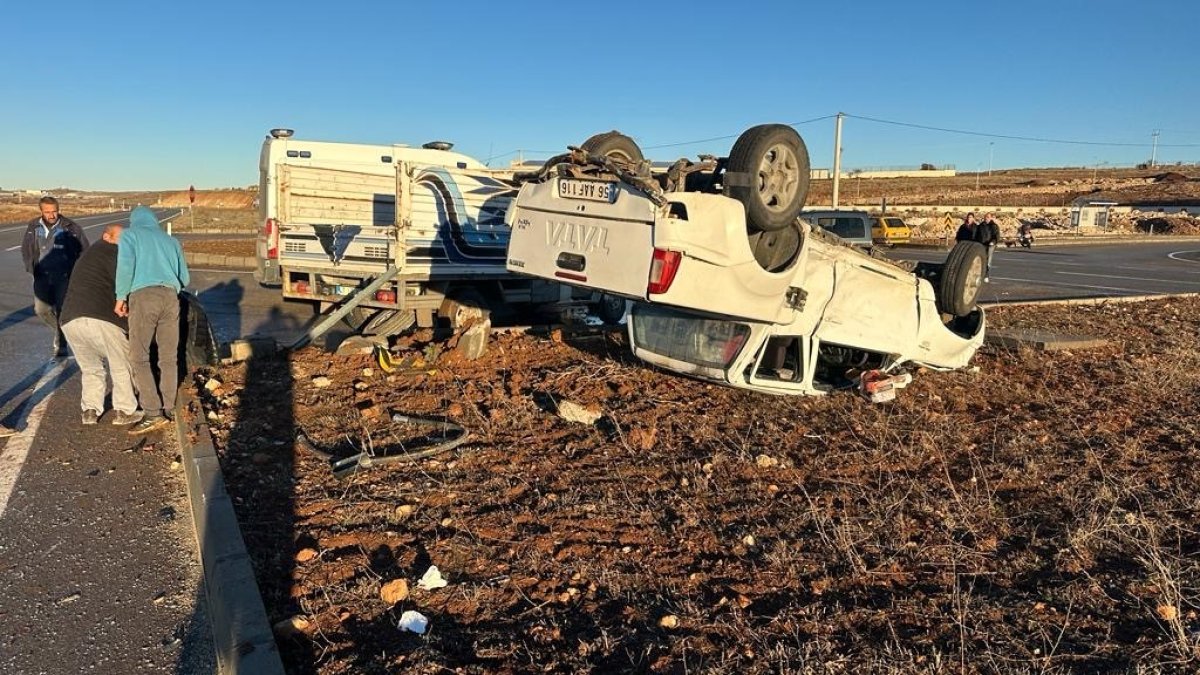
(97, 335)
(51, 245)
(151, 271)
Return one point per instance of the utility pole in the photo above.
(1154, 150)
(991, 148)
(837, 157)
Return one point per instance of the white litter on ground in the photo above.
(413, 622)
(432, 579)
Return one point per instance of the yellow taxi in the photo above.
(889, 230)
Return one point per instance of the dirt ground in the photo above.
(1020, 188)
(1034, 513)
(236, 247)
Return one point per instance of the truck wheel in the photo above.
(774, 251)
(615, 145)
(461, 308)
(961, 277)
(768, 173)
(610, 309)
(371, 321)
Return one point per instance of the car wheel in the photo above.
(961, 278)
(614, 145)
(463, 307)
(611, 309)
(371, 321)
(768, 173)
(774, 251)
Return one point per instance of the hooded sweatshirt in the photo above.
(147, 256)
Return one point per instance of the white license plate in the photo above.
(591, 190)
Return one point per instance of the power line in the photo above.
(722, 138)
(1018, 138)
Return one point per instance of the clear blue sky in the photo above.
(123, 95)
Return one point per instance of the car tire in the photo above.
(614, 145)
(961, 278)
(611, 309)
(768, 172)
(372, 321)
(463, 307)
(776, 250)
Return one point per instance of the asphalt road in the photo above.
(97, 560)
(1084, 271)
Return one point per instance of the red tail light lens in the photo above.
(385, 296)
(663, 267)
(271, 233)
(300, 287)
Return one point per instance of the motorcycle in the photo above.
(1025, 239)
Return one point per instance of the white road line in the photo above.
(1172, 256)
(1039, 282)
(1117, 276)
(17, 449)
(13, 248)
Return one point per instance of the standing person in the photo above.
(966, 231)
(988, 234)
(97, 335)
(151, 272)
(50, 248)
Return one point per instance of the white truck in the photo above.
(734, 286)
(338, 215)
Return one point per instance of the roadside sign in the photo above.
(191, 194)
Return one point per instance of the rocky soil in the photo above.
(1033, 513)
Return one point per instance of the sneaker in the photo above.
(149, 424)
(123, 418)
(90, 417)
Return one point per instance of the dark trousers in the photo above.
(154, 318)
(49, 290)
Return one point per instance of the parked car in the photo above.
(853, 227)
(890, 230)
(732, 285)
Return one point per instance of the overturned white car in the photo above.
(733, 286)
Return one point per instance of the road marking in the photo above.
(17, 449)
(13, 248)
(1117, 276)
(1039, 282)
(219, 271)
(1172, 256)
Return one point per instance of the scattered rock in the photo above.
(212, 385)
(368, 372)
(669, 622)
(320, 382)
(292, 626)
(766, 461)
(65, 600)
(749, 540)
(359, 385)
(405, 510)
(394, 591)
(473, 342)
(573, 412)
(305, 555)
(360, 344)
(367, 409)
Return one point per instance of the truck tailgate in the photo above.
(591, 233)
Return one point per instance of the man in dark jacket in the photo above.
(988, 234)
(966, 231)
(50, 248)
(97, 335)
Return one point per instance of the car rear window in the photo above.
(710, 343)
(894, 222)
(846, 228)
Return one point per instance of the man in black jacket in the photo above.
(50, 248)
(988, 234)
(97, 335)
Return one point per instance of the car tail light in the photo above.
(385, 296)
(271, 233)
(300, 287)
(663, 267)
(732, 346)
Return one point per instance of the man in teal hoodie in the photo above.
(151, 272)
